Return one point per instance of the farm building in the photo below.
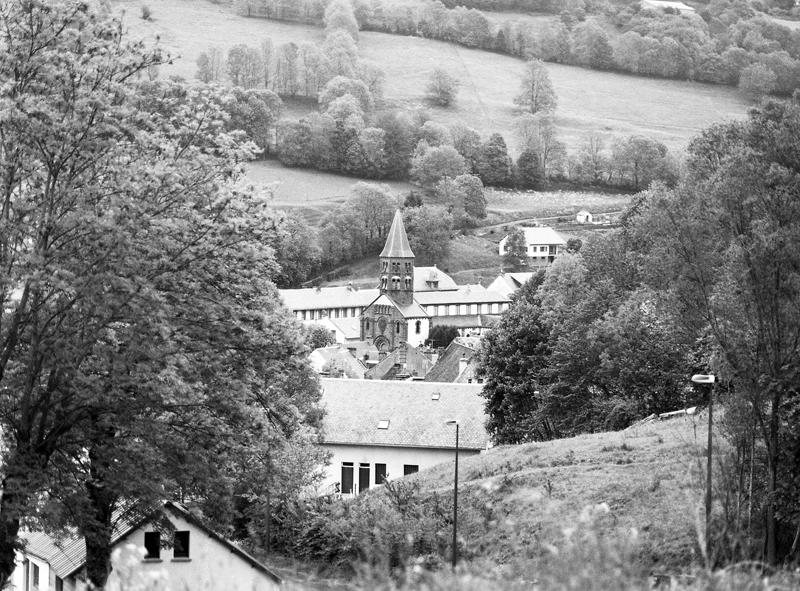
(584, 217)
(376, 430)
(542, 245)
(188, 556)
(409, 301)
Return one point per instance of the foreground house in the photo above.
(458, 363)
(190, 556)
(379, 429)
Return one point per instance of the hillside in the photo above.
(613, 104)
(647, 476)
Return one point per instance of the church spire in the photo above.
(397, 241)
(397, 264)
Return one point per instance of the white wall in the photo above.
(18, 576)
(211, 566)
(414, 339)
(393, 457)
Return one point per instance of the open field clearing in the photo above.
(503, 205)
(186, 28)
(612, 104)
(312, 191)
(588, 100)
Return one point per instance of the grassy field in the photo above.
(503, 205)
(613, 104)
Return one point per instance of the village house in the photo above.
(408, 302)
(508, 283)
(584, 217)
(458, 363)
(542, 245)
(188, 556)
(383, 430)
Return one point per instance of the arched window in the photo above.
(408, 267)
(408, 282)
(384, 282)
(385, 266)
(418, 326)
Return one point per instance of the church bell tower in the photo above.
(397, 264)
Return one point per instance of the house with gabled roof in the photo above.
(405, 362)
(385, 430)
(185, 555)
(542, 245)
(509, 283)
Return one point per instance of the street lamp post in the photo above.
(708, 380)
(455, 499)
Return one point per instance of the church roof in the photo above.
(416, 411)
(397, 242)
(464, 295)
(412, 310)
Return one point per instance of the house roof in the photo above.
(312, 298)
(412, 310)
(416, 364)
(397, 241)
(447, 367)
(68, 555)
(464, 295)
(339, 357)
(416, 419)
(541, 235)
(425, 275)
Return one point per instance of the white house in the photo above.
(508, 283)
(188, 556)
(542, 244)
(583, 217)
(379, 429)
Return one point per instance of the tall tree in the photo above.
(442, 88)
(727, 237)
(536, 91)
(493, 165)
(121, 224)
(429, 229)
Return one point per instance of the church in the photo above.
(408, 302)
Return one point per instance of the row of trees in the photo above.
(713, 48)
(700, 277)
(144, 354)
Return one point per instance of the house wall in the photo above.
(394, 458)
(211, 565)
(414, 339)
(47, 578)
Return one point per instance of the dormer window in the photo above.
(383, 424)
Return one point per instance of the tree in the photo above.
(429, 230)
(757, 81)
(342, 54)
(256, 112)
(591, 46)
(725, 238)
(592, 162)
(209, 65)
(641, 160)
(442, 88)
(440, 336)
(538, 134)
(296, 251)
(493, 164)
(529, 170)
(317, 336)
(536, 91)
(431, 165)
(435, 134)
(474, 199)
(515, 253)
(267, 57)
(137, 306)
(245, 66)
(468, 143)
(339, 16)
(513, 359)
(286, 74)
(340, 86)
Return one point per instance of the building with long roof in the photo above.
(408, 302)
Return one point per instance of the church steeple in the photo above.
(397, 264)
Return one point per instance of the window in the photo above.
(380, 473)
(408, 282)
(410, 469)
(152, 544)
(35, 575)
(418, 326)
(384, 282)
(181, 549)
(366, 324)
(363, 477)
(385, 266)
(347, 478)
(408, 267)
(383, 424)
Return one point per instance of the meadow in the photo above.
(610, 103)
